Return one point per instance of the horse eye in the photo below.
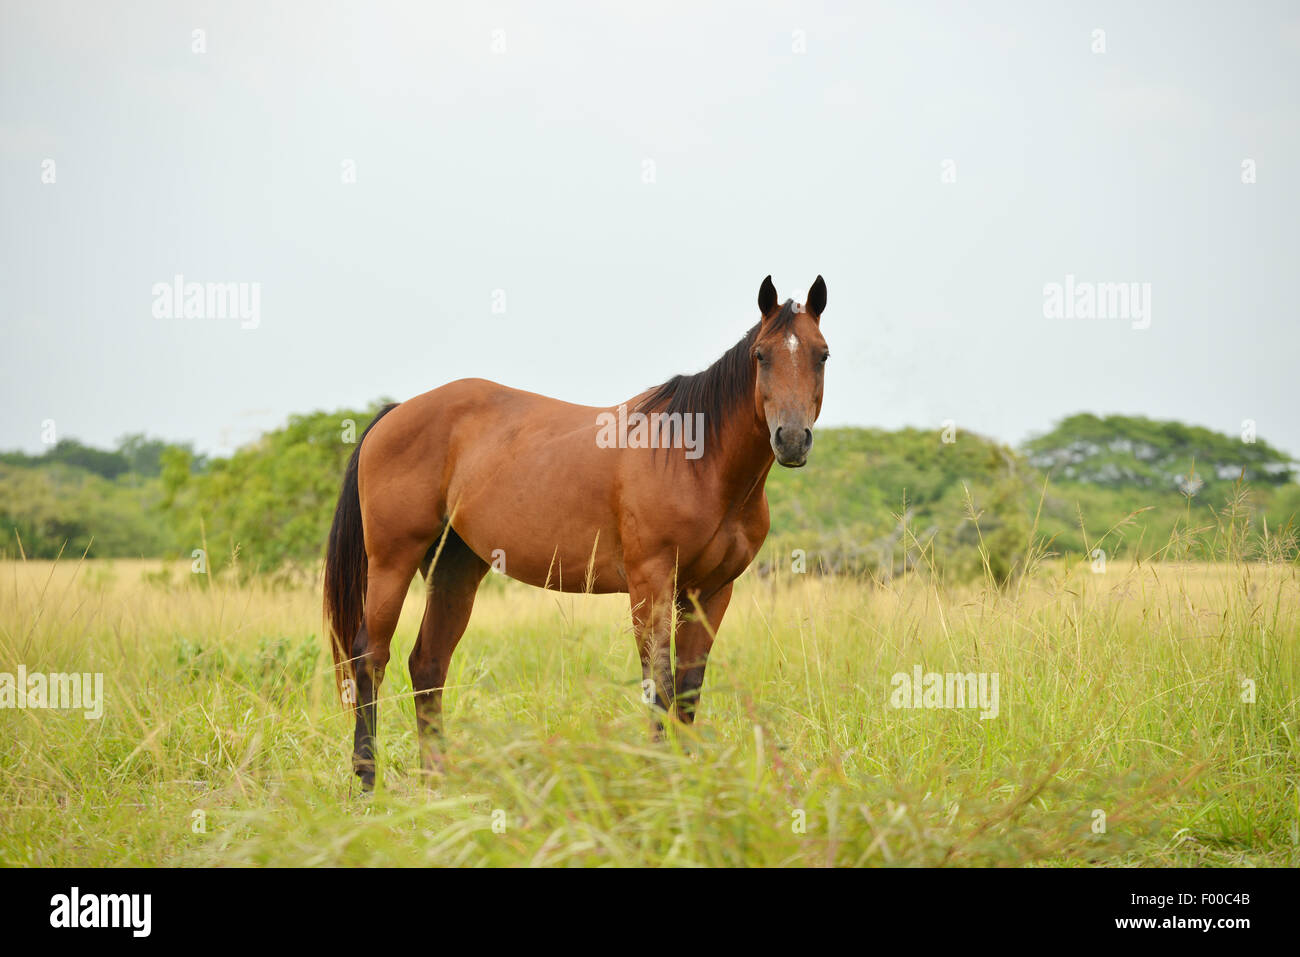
(826, 356)
(758, 354)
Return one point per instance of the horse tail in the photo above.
(345, 567)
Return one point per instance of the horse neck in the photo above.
(744, 457)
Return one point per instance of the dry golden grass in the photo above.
(1121, 694)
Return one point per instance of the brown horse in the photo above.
(664, 502)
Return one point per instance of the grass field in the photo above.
(1123, 694)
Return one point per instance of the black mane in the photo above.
(721, 386)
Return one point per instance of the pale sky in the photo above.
(506, 146)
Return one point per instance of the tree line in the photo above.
(874, 501)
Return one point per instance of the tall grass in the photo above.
(1124, 702)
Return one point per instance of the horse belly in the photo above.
(544, 525)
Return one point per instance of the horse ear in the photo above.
(766, 297)
(817, 298)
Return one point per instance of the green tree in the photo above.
(271, 502)
(1118, 450)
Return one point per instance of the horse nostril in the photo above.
(778, 435)
(807, 438)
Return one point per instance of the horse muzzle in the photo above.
(791, 445)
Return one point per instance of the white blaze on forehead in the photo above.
(792, 342)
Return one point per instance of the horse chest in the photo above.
(728, 553)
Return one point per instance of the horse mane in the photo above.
(720, 387)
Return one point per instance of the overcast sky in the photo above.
(621, 177)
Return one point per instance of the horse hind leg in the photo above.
(452, 582)
(388, 579)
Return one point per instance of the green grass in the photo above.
(1119, 693)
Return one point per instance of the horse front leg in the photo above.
(696, 629)
(652, 621)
